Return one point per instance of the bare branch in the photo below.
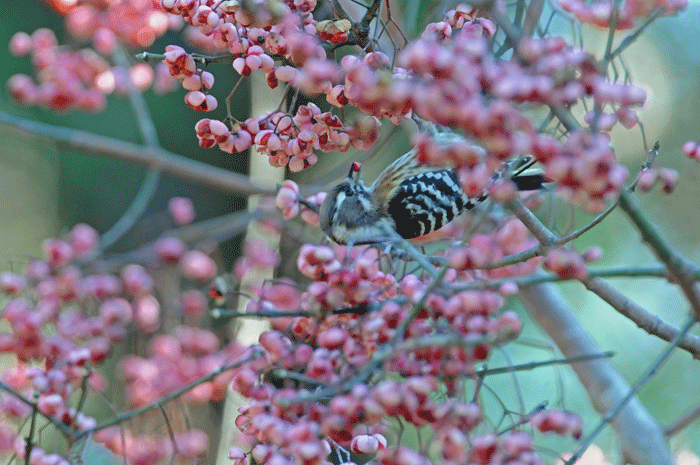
(678, 266)
(685, 420)
(168, 162)
(647, 321)
(641, 438)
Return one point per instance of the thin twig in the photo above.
(539, 230)
(83, 391)
(355, 310)
(29, 444)
(229, 97)
(629, 40)
(171, 433)
(201, 59)
(684, 421)
(216, 229)
(644, 319)
(532, 17)
(150, 183)
(532, 365)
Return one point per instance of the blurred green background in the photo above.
(44, 191)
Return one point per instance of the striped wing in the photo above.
(427, 201)
(404, 168)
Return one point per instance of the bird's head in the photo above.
(348, 210)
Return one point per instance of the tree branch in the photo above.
(649, 322)
(168, 162)
(677, 265)
(641, 438)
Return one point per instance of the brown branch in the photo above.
(684, 421)
(59, 424)
(168, 162)
(647, 321)
(546, 237)
(532, 17)
(678, 266)
(150, 183)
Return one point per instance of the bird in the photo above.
(408, 197)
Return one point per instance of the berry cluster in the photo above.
(289, 139)
(65, 319)
(148, 449)
(287, 200)
(357, 322)
(359, 349)
(482, 249)
(66, 79)
(601, 12)
(559, 422)
(182, 66)
(133, 22)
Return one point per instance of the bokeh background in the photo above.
(45, 190)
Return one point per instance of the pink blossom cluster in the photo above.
(64, 319)
(286, 139)
(457, 82)
(247, 32)
(515, 447)
(151, 449)
(53, 387)
(183, 355)
(601, 12)
(70, 79)
(66, 79)
(558, 421)
(335, 32)
(133, 22)
(183, 67)
(38, 456)
(665, 178)
(287, 431)
(287, 200)
(566, 263)
(585, 169)
(288, 424)
(210, 15)
(334, 284)
(451, 92)
(510, 238)
(462, 18)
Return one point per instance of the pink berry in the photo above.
(198, 266)
(182, 210)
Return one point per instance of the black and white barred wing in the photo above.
(427, 201)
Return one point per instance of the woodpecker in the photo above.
(411, 198)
